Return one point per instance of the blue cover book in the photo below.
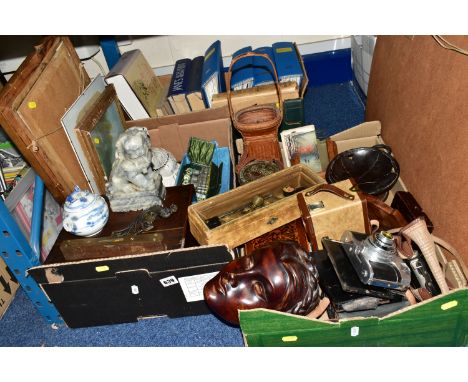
(287, 63)
(213, 73)
(178, 86)
(242, 76)
(263, 71)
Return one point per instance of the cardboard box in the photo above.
(121, 287)
(8, 287)
(439, 321)
(173, 132)
(366, 134)
(128, 288)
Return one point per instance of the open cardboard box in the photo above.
(366, 134)
(439, 321)
(173, 132)
(128, 288)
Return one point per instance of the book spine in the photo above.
(263, 71)
(213, 74)
(195, 77)
(242, 71)
(287, 63)
(179, 79)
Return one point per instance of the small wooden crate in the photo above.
(280, 211)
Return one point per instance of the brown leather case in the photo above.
(405, 202)
(387, 216)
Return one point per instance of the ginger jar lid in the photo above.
(79, 200)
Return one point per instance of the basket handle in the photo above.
(229, 73)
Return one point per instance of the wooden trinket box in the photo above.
(262, 206)
(252, 210)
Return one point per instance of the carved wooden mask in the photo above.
(279, 276)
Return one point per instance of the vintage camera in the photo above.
(375, 260)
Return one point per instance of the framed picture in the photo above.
(71, 119)
(300, 146)
(97, 133)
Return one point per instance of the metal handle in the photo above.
(383, 147)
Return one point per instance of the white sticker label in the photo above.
(192, 286)
(354, 331)
(168, 281)
(135, 289)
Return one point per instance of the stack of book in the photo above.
(257, 71)
(195, 81)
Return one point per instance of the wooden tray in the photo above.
(168, 233)
(245, 227)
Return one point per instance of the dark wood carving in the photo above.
(280, 276)
(293, 231)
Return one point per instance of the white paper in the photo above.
(192, 286)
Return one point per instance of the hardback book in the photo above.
(263, 71)
(194, 93)
(287, 63)
(178, 86)
(213, 73)
(242, 76)
(138, 88)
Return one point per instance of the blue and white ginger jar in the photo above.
(85, 213)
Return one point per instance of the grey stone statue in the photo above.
(133, 184)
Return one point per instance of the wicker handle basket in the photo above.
(234, 116)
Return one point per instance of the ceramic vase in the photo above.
(85, 214)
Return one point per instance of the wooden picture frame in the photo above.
(98, 132)
(74, 115)
(31, 105)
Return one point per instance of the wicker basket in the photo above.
(258, 124)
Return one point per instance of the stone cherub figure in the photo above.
(133, 184)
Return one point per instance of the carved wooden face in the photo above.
(279, 276)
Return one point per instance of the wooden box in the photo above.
(242, 228)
